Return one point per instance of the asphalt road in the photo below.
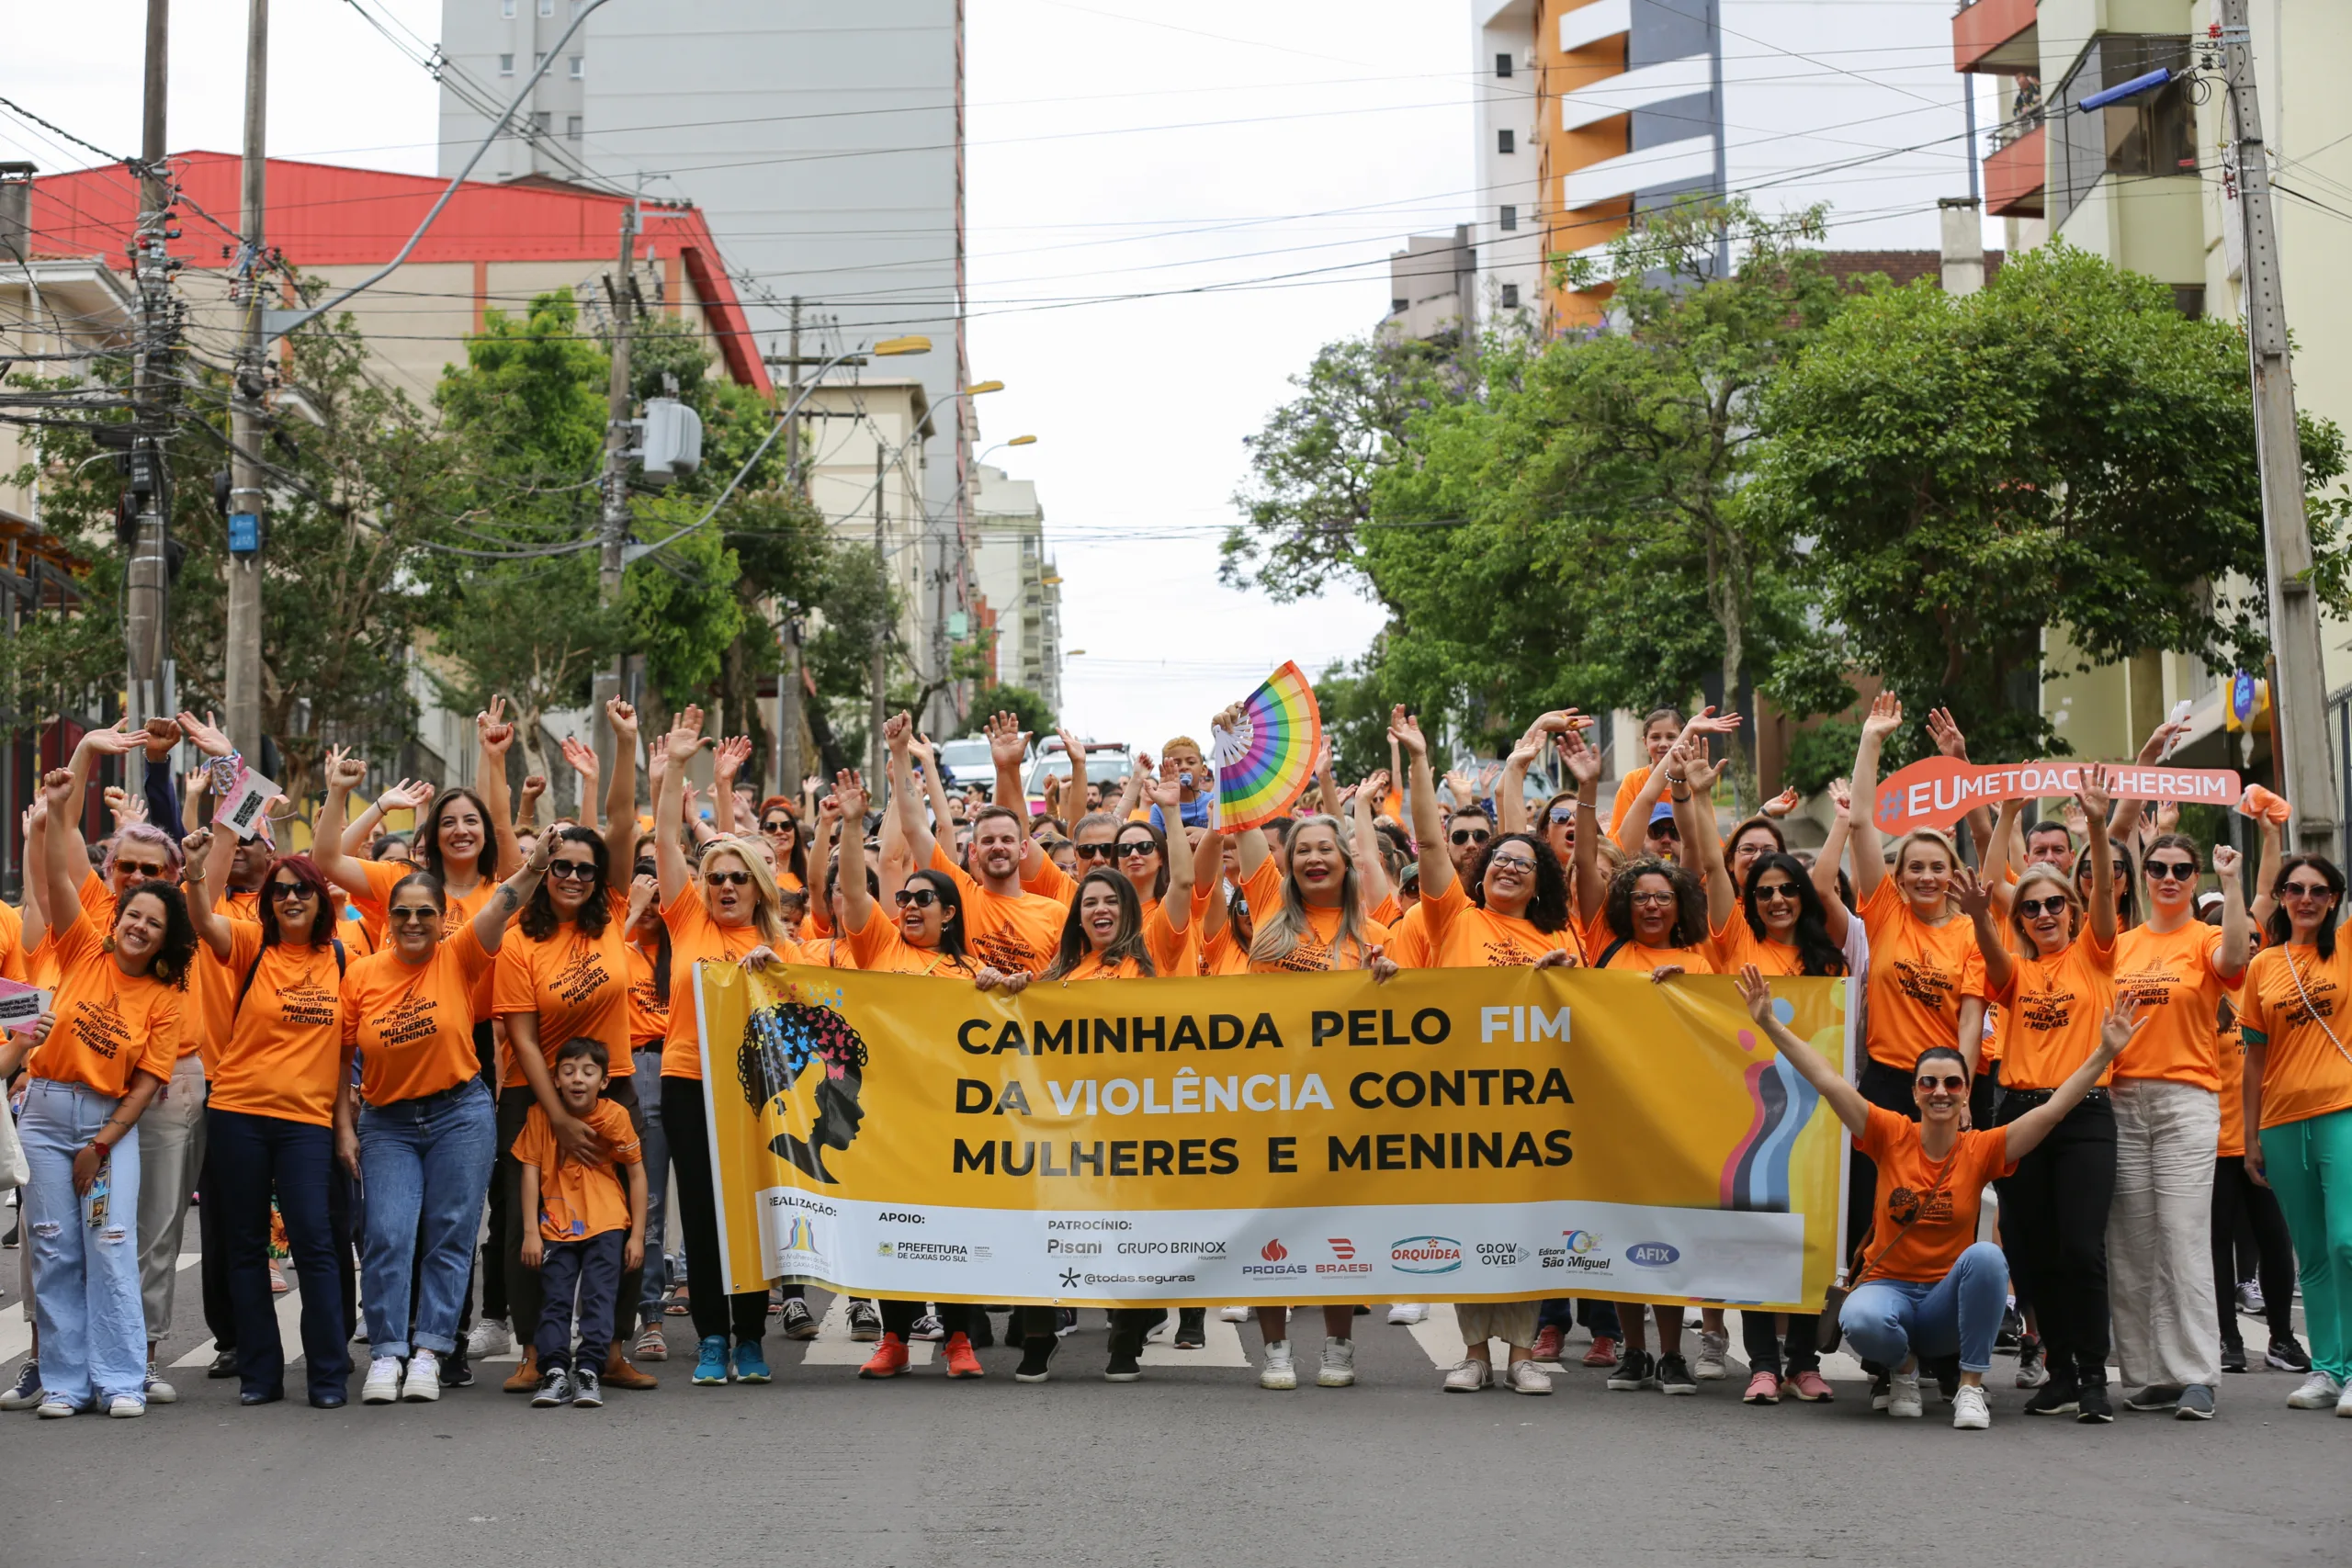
(1195, 1464)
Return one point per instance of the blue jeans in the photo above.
(86, 1278)
(427, 1165)
(592, 1269)
(251, 1159)
(1892, 1320)
(656, 1150)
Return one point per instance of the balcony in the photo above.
(2015, 174)
(1588, 24)
(1996, 36)
(1673, 165)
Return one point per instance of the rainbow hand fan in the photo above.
(1265, 764)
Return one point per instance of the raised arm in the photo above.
(725, 761)
(208, 856)
(1827, 1081)
(155, 782)
(1583, 765)
(1944, 730)
(1176, 905)
(1870, 854)
(67, 863)
(1371, 867)
(2266, 874)
(2097, 801)
(919, 750)
(899, 735)
(2128, 814)
(1705, 847)
(2237, 927)
(1420, 792)
(1994, 855)
(1976, 903)
(493, 735)
(343, 771)
(1511, 789)
(36, 825)
(1131, 793)
(1825, 864)
(678, 747)
(2028, 1131)
(1008, 748)
(1325, 781)
(490, 925)
(65, 822)
(580, 758)
(620, 792)
(526, 806)
(857, 904)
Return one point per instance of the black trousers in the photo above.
(1765, 1346)
(582, 1277)
(2240, 1208)
(687, 1126)
(898, 1317)
(213, 1235)
(2054, 1222)
(523, 1284)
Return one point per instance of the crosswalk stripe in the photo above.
(834, 1347)
(1222, 1346)
(290, 1333)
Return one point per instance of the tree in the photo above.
(2061, 449)
(1023, 704)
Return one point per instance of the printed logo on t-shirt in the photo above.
(2319, 988)
(2151, 987)
(1903, 1207)
(411, 1019)
(99, 1028)
(1930, 984)
(1505, 953)
(1002, 949)
(2046, 1010)
(582, 977)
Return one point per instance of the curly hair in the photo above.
(1689, 901)
(1547, 906)
(177, 952)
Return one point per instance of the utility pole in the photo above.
(146, 604)
(883, 627)
(2299, 697)
(242, 678)
(792, 429)
(788, 771)
(613, 530)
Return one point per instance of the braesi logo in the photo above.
(1342, 1248)
(1345, 1251)
(1273, 1251)
(1652, 1254)
(1425, 1254)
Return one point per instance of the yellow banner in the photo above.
(1456, 1135)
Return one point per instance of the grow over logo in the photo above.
(1652, 1254)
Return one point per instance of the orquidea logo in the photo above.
(1275, 1252)
(1425, 1254)
(1652, 1254)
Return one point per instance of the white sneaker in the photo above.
(1339, 1364)
(1279, 1373)
(424, 1384)
(53, 1406)
(1903, 1397)
(1469, 1375)
(1234, 1315)
(1404, 1314)
(158, 1391)
(383, 1384)
(1526, 1377)
(928, 1327)
(1159, 1331)
(2320, 1391)
(490, 1336)
(1709, 1365)
(1969, 1411)
(2344, 1405)
(125, 1407)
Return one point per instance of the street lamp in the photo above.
(1017, 441)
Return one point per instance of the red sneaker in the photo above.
(1603, 1353)
(1812, 1387)
(890, 1358)
(1764, 1388)
(1547, 1344)
(961, 1361)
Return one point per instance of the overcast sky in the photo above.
(1279, 144)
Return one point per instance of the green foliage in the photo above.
(1020, 702)
(1820, 753)
(2061, 449)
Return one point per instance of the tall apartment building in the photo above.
(1021, 596)
(1588, 111)
(822, 140)
(2140, 183)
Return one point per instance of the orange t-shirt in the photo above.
(457, 909)
(1223, 954)
(2232, 1093)
(879, 947)
(214, 984)
(1629, 790)
(1409, 935)
(1022, 932)
(695, 938)
(1463, 935)
(649, 1015)
(2173, 974)
(1926, 1252)
(1641, 959)
(12, 944)
(108, 1024)
(1736, 945)
(2304, 1073)
(2052, 1011)
(1313, 952)
(413, 1024)
(579, 1198)
(578, 985)
(1918, 973)
(282, 1054)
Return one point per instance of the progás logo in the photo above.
(1275, 1252)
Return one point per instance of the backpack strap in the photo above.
(1610, 952)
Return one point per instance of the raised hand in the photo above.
(1582, 761)
(2226, 862)
(729, 759)
(1884, 718)
(114, 740)
(899, 734)
(2097, 796)
(1406, 732)
(493, 730)
(57, 789)
(1166, 795)
(581, 758)
(534, 786)
(623, 718)
(206, 734)
(849, 798)
(1756, 991)
(1782, 803)
(1841, 794)
(195, 847)
(1970, 892)
(1944, 730)
(1009, 743)
(162, 735)
(2168, 816)
(923, 751)
(343, 771)
(409, 795)
(686, 736)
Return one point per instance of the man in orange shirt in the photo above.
(1005, 928)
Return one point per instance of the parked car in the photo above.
(968, 761)
(1108, 764)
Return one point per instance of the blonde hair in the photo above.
(1280, 930)
(1944, 841)
(2043, 871)
(767, 915)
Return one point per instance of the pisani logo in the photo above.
(1425, 1254)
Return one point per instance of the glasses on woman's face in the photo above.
(1653, 898)
(727, 878)
(921, 898)
(2305, 890)
(2172, 871)
(2033, 907)
(412, 913)
(1095, 851)
(1951, 1081)
(1561, 813)
(1135, 848)
(142, 870)
(1776, 892)
(573, 870)
(1524, 864)
(289, 892)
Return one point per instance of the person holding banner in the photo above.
(1926, 1287)
(2052, 991)
(120, 1006)
(2299, 1096)
(2167, 1125)
(733, 910)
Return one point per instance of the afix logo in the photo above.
(1425, 1254)
(1273, 1251)
(1342, 1248)
(1652, 1254)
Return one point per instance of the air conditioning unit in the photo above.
(1527, 58)
(670, 440)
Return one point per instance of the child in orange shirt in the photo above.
(591, 1223)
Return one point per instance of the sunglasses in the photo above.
(573, 870)
(290, 892)
(727, 878)
(1564, 814)
(2172, 871)
(777, 825)
(406, 913)
(921, 898)
(149, 873)
(1665, 830)
(2030, 908)
(2306, 890)
(1776, 891)
(1095, 851)
(1470, 836)
(1138, 847)
(1951, 1081)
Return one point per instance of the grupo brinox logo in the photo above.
(1652, 1254)
(1580, 1242)
(1425, 1254)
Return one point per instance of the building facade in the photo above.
(867, 464)
(1020, 595)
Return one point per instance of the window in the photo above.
(506, 7)
(1510, 219)
(547, 7)
(2151, 134)
(1506, 142)
(538, 58)
(2189, 299)
(579, 67)
(1502, 66)
(1510, 296)
(572, 127)
(506, 65)
(542, 121)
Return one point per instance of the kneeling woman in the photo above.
(1107, 936)
(1926, 1287)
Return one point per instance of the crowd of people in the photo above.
(454, 1069)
